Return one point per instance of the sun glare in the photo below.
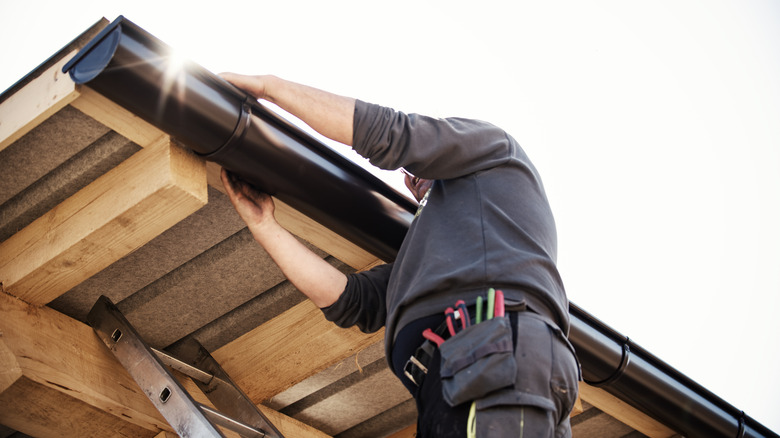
(174, 79)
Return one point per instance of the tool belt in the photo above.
(476, 346)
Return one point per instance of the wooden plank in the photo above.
(307, 229)
(114, 215)
(42, 97)
(624, 412)
(291, 347)
(105, 111)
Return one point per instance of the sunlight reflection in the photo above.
(174, 79)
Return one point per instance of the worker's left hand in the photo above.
(255, 208)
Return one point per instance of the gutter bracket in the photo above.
(741, 431)
(619, 371)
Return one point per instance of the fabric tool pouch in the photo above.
(477, 361)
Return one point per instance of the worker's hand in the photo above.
(255, 208)
(254, 85)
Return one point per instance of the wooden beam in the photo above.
(105, 111)
(31, 105)
(58, 379)
(624, 412)
(114, 215)
(291, 347)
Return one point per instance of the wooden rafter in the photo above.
(117, 213)
(291, 347)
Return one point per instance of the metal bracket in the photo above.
(146, 365)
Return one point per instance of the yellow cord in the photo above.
(522, 421)
(472, 423)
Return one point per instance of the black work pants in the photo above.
(538, 404)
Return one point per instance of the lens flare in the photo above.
(174, 79)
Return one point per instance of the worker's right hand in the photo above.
(255, 208)
(254, 85)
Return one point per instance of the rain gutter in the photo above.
(225, 125)
(613, 362)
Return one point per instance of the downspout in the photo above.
(223, 124)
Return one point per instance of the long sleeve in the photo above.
(428, 147)
(363, 302)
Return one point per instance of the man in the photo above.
(484, 223)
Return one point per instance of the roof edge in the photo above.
(77, 43)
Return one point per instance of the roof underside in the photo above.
(204, 277)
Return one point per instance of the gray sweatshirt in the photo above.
(486, 223)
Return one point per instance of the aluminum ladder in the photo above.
(147, 366)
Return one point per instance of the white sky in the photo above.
(654, 125)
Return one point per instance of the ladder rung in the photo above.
(189, 370)
(220, 419)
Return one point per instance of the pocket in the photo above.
(477, 361)
(509, 413)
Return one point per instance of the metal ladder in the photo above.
(147, 367)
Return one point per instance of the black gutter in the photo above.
(223, 124)
(629, 372)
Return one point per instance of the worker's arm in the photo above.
(312, 275)
(329, 114)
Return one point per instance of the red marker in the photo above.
(499, 303)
